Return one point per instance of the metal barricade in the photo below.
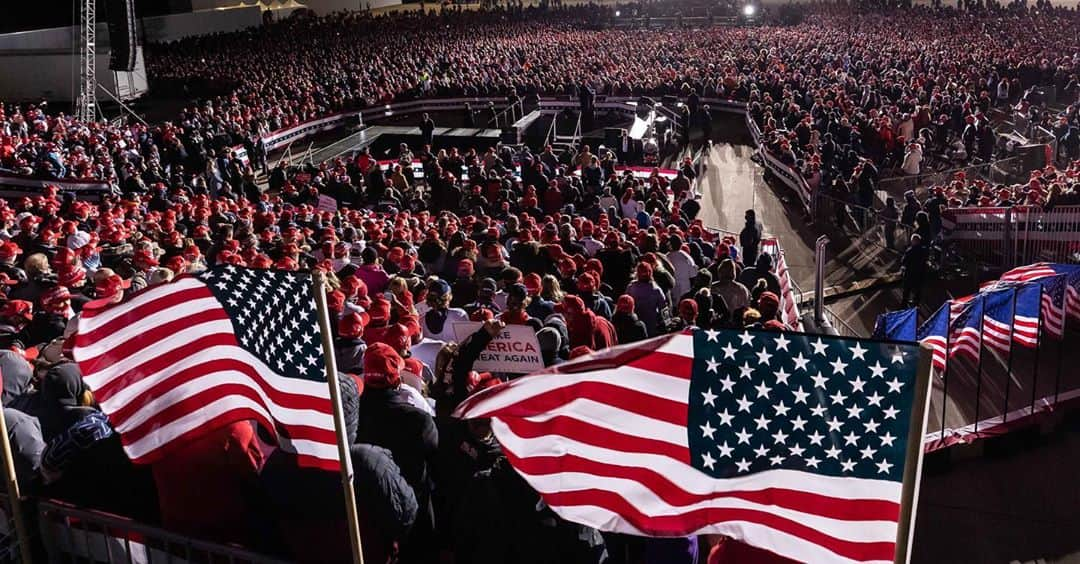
(869, 225)
(72, 534)
(1044, 235)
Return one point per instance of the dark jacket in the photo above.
(628, 327)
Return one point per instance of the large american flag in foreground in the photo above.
(230, 344)
(788, 442)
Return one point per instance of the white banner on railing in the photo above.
(25, 184)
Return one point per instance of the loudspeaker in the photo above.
(613, 137)
(122, 41)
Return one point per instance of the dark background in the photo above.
(21, 15)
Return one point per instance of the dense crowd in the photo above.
(839, 87)
(586, 257)
(630, 261)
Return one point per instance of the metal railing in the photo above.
(508, 116)
(868, 224)
(1012, 236)
(1006, 171)
(72, 534)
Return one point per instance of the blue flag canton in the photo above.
(273, 317)
(767, 400)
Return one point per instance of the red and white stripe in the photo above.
(166, 366)
(937, 349)
(790, 310)
(956, 307)
(965, 341)
(1026, 331)
(605, 443)
(1028, 273)
(996, 334)
(1053, 317)
(1072, 302)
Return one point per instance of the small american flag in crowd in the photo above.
(788, 442)
(230, 344)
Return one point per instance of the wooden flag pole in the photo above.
(318, 280)
(909, 496)
(14, 495)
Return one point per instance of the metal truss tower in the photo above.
(86, 102)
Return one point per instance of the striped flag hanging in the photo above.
(1027, 315)
(788, 442)
(230, 344)
(997, 319)
(935, 333)
(1040, 270)
(1053, 306)
(1029, 272)
(966, 330)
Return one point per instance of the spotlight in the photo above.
(617, 13)
(748, 10)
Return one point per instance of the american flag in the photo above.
(230, 344)
(1029, 272)
(1045, 269)
(935, 333)
(1026, 317)
(966, 330)
(789, 442)
(997, 319)
(1053, 305)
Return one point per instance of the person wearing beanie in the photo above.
(389, 420)
(628, 327)
(349, 345)
(539, 306)
(588, 286)
(585, 327)
(650, 302)
(466, 287)
(618, 261)
(768, 304)
(688, 315)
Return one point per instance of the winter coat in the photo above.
(628, 327)
(650, 303)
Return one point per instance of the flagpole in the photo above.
(1008, 363)
(979, 367)
(319, 290)
(1038, 345)
(945, 377)
(14, 495)
(909, 493)
(1061, 353)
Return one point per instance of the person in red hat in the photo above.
(389, 420)
(628, 327)
(51, 319)
(651, 303)
(9, 254)
(349, 345)
(585, 327)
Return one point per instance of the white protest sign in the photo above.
(514, 350)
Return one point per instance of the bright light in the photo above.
(748, 10)
(617, 13)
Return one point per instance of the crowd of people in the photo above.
(839, 87)
(587, 257)
(628, 264)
